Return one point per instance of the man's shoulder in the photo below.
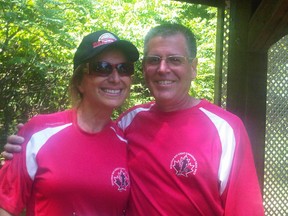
(220, 112)
(147, 105)
(128, 116)
(136, 109)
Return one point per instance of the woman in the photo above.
(53, 176)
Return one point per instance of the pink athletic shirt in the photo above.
(196, 161)
(64, 171)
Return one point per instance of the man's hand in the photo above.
(12, 146)
(4, 213)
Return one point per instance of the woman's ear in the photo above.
(80, 87)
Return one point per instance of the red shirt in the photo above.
(196, 161)
(66, 171)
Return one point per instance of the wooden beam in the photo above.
(268, 24)
(255, 116)
(237, 57)
(246, 80)
(213, 3)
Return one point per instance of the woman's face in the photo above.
(110, 88)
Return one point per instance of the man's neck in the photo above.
(179, 105)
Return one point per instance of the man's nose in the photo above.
(163, 66)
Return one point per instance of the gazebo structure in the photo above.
(252, 82)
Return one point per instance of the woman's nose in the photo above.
(114, 76)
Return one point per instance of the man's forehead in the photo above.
(169, 45)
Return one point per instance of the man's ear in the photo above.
(142, 66)
(194, 67)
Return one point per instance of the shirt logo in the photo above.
(184, 164)
(120, 179)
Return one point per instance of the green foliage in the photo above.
(38, 39)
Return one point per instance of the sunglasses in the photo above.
(103, 68)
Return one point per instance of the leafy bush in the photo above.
(39, 37)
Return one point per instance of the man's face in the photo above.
(169, 79)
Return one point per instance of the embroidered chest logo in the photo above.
(184, 164)
(120, 179)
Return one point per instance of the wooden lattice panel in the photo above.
(276, 141)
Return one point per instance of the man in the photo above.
(185, 156)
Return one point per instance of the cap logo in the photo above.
(104, 39)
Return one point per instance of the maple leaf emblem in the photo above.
(121, 180)
(183, 166)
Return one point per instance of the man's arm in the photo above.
(243, 194)
(4, 213)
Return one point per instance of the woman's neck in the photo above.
(92, 119)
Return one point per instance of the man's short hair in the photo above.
(169, 29)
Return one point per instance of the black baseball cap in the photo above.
(94, 43)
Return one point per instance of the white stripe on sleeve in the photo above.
(227, 139)
(35, 143)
